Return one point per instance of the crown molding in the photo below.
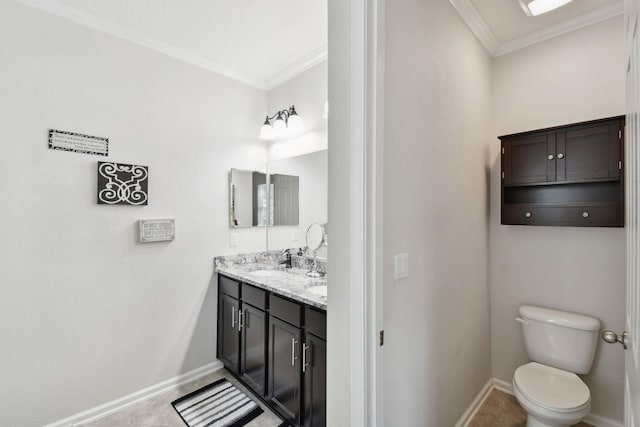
(478, 26)
(483, 33)
(54, 7)
(303, 64)
(581, 21)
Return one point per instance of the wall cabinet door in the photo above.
(529, 159)
(285, 369)
(228, 335)
(253, 345)
(315, 381)
(591, 153)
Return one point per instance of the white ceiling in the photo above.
(260, 42)
(266, 42)
(503, 27)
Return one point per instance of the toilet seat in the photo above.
(551, 388)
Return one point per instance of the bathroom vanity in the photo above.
(272, 336)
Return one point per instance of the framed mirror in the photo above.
(312, 172)
(248, 199)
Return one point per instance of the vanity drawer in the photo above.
(255, 296)
(286, 310)
(315, 322)
(228, 286)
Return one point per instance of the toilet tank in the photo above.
(560, 339)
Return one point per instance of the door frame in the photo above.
(356, 66)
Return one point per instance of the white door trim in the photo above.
(357, 212)
(374, 211)
(365, 211)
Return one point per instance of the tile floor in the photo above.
(502, 410)
(158, 412)
(498, 410)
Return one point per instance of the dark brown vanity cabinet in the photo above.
(285, 387)
(253, 337)
(228, 325)
(242, 331)
(567, 175)
(277, 347)
(314, 359)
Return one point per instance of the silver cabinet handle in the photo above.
(527, 214)
(612, 338)
(550, 157)
(293, 351)
(240, 317)
(305, 347)
(585, 214)
(233, 317)
(560, 156)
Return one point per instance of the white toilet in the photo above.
(561, 345)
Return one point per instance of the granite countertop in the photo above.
(289, 282)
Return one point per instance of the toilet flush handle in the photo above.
(524, 322)
(613, 338)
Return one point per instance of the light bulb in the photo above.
(294, 124)
(279, 126)
(266, 131)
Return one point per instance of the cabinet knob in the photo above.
(550, 157)
(585, 214)
(527, 214)
(560, 156)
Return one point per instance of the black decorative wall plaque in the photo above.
(122, 184)
(78, 143)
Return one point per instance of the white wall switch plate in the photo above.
(233, 240)
(400, 266)
(294, 236)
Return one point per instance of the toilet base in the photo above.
(532, 421)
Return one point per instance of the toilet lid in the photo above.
(551, 387)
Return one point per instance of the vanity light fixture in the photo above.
(538, 7)
(283, 120)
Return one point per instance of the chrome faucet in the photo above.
(287, 260)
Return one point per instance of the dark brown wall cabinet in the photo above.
(566, 175)
(277, 347)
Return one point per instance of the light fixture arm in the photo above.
(281, 119)
(286, 113)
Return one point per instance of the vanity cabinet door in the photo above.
(228, 334)
(285, 372)
(315, 381)
(253, 347)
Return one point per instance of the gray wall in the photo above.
(88, 315)
(437, 116)
(575, 77)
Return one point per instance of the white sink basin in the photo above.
(318, 290)
(268, 273)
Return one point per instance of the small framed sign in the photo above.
(78, 143)
(157, 230)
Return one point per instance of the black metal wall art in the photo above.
(122, 184)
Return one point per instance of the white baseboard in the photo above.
(122, 402)
(468, 415)
(598, 421)
(494, 383)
